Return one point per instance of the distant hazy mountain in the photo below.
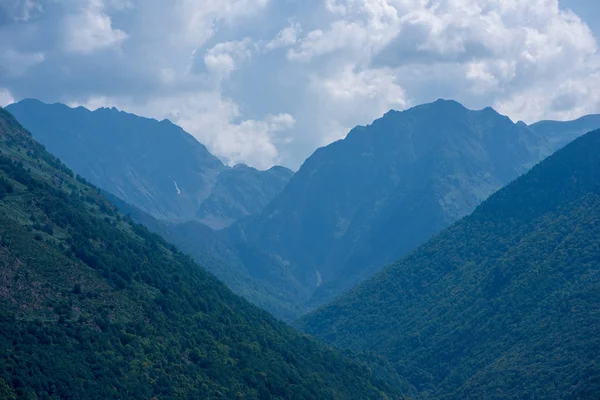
(503, 304)
(155, 166)
(559, 133)
(353, 207)
(365, 201)
(93, 306)
(241, 191)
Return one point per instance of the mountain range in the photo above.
(504, 303)
(94, 306)
(495, 294)
(155, 166)
(365, 201)
(353, 206)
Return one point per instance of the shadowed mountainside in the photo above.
(503, 304)
(365, 201)
(155, 166)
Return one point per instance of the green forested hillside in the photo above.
(93, 306)
(503, 304)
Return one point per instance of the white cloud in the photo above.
(21, 10)
(331, 64)
(360, 34)
(16, 64)
(342, 34)
(30, 9)
(216, 122)
(5, 97)
(223, 58)
(286, 37)
(336, 6)
(366, 85)
(91, 29)
(120, 5)
(487, 76)
(349, 97)
(569, 99)
(94, 103)
(200, 19)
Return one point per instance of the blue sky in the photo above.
(588, 10)
(266, 81)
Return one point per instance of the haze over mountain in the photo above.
(156, 166)
(504, 303)
(365, 201)
(93, 306)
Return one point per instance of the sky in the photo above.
(266, 82)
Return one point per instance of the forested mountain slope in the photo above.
(93, 306)
(503, 304)
(203, 243)
(365, 201)
(154, 166)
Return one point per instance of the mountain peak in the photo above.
(154, 165)
(366, 200)
(29, 100)
(440, 107)
(441, 100)
(280, 168)
(135, 158)
(241, 166)
(110, 109)
(439, 104)
(447, 103)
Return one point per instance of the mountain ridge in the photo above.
(359, 203)
(503, 303)
(388, 187)
(154, 165)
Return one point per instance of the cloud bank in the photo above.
(266, 82)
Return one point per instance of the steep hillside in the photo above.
(93, 306)
(365, 201)
(503, 304)
(155, 166)
(203, 243)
